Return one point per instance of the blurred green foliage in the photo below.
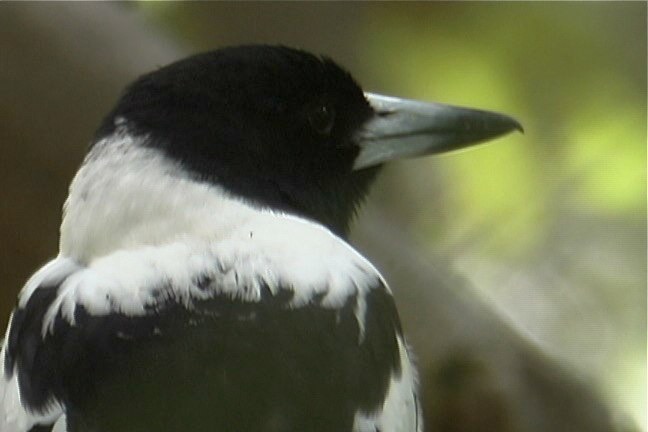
(582, 106)
(549, 225)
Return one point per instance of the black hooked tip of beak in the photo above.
(404, 128)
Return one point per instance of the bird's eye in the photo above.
(322, 119)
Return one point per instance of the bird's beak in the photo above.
(404, 128)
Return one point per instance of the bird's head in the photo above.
(287, 130)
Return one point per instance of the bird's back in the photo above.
(239, 335)
(232, 366)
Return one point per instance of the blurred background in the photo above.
(519, 266)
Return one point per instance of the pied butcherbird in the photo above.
(204, 281)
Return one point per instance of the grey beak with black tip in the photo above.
(405, 128)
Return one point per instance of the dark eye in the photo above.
(322, 119)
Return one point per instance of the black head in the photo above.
(284, 129)
(273, 125)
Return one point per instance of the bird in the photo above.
(204, 279)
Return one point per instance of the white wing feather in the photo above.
(14, 417)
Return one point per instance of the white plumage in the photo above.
(114, 259)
